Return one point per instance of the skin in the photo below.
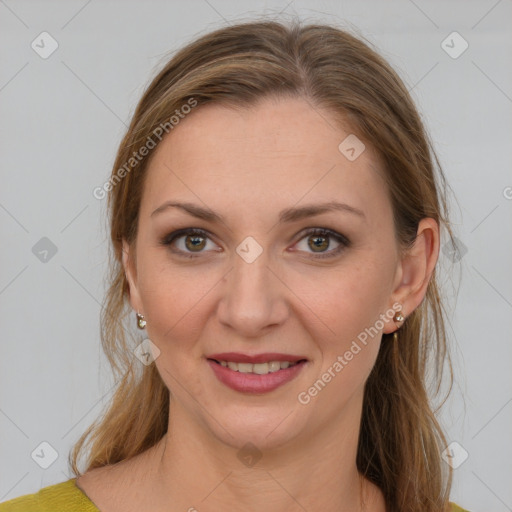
(248, 165)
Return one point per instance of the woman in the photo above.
(275, 214)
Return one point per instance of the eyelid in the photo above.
(169, 238)
(324, 231)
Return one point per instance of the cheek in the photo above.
(177, 308)
(349, 301)
(346, 300)
(349, 304)
(174, 300)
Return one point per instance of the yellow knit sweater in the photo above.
(67, 497)
(63, 497)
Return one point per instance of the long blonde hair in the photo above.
(400, 439)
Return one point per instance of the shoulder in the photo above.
(454, 508)
(63, 497)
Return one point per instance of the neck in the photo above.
(196, 472)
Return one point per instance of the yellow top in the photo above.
(63, 497)
(67, 497)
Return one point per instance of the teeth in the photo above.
(245, 367)
(258, 368)
(273, 366)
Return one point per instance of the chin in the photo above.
(266, 427)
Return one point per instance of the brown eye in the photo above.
(189, 242)
(322, 243)
(318, 243)
(195, 242)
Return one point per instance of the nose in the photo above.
(253, 298)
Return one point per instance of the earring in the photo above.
(399, 317)
(141, 321)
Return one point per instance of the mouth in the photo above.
(255, 374)
(257, 368)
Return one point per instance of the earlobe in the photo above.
(417, 266)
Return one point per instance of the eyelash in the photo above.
(341, 239)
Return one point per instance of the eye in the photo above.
(318, 242)
(322, 242)
(188, 241)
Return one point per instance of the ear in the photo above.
(131, 276)
(416, 268)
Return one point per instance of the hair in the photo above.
(400, 440)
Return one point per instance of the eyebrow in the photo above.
(287, 215)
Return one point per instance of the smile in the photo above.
(258, 368)
(255, 374)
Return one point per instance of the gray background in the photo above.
(62, 119)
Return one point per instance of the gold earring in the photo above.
(399, 317)
(141, 321)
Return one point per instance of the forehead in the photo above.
(263, 158)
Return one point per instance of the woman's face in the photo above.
(272, 271)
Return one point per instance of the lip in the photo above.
(237, 357)
(251, 382)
